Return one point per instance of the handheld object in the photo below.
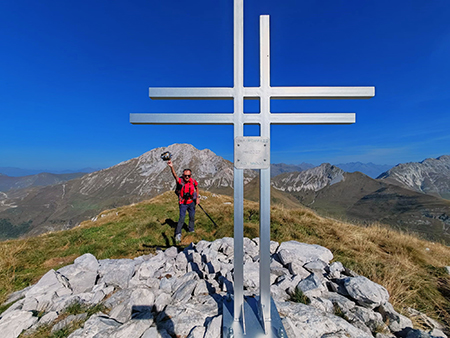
(166, 156)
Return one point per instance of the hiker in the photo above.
(187, 190)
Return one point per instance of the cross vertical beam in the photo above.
(238, 50)
(264, 188)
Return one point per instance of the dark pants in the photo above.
(191, 210)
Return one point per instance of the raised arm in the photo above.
(170, 164)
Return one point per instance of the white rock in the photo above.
(148, 268)
(132, 329)
(312, 323)
(12, 324)
(178, 319)
(141, 300)
(116, 272)
(48, 318)
(161, 301)
(51, 286)
(296, 268)
(312, 286)
(365, 292)
(250, 247)
(373, 320)
(184, 292)
(171, 253)
(197, 332)
(317, 267)
(395, 320)
(305, 253)
(68, 321)
(181, 262)
(251, 275)
(322, 304)
(214, 327)
(335, 270)
(184, 279)
(340, 301)
(201, 288)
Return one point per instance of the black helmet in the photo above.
(166, 156)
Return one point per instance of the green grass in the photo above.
(299, 297)
(413, 275)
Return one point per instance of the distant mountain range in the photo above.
(280, 168)
(28, 207)
(17, 172)
(43, 179)
(370, 169)
(357, 197)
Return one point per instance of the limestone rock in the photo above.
(116, 272)
(251, 275)
(41, 296)
(12, 324)
(397, 322)
(312, 286)
(184, 292)
(365, 292)
(335, 269)
(197, 332)
(96, 324)
(305, 253)
(68, 321)
(312, 323)
(214, 328)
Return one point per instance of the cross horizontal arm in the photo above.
(224, 93)
(322, 92)
(182, 118)
(303, 118)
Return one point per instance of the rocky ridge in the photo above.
(180, 294)
(431, 176)
(313, 179)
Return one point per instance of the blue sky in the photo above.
(71, 72)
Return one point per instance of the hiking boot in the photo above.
(178, 238)
(190, 231)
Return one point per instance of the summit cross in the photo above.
(252, 317)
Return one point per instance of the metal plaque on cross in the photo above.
(252, 316)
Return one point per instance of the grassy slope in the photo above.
(410, 268)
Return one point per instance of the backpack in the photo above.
(180, 187)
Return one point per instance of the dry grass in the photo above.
(410, 268)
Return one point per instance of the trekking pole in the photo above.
(207, 214)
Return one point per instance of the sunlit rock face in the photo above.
(431, 176)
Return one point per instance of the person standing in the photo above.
(187, 189)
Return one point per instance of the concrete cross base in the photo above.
(250, 325)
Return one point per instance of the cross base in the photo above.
(251, 326)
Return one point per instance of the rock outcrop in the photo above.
(180, 293)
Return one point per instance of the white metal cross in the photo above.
(238, 119)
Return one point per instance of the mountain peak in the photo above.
(430, 176)
(313, 179)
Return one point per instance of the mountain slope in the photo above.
(431, 176)
(43, 179)
(64, 205)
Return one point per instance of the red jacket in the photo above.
(189, 187)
